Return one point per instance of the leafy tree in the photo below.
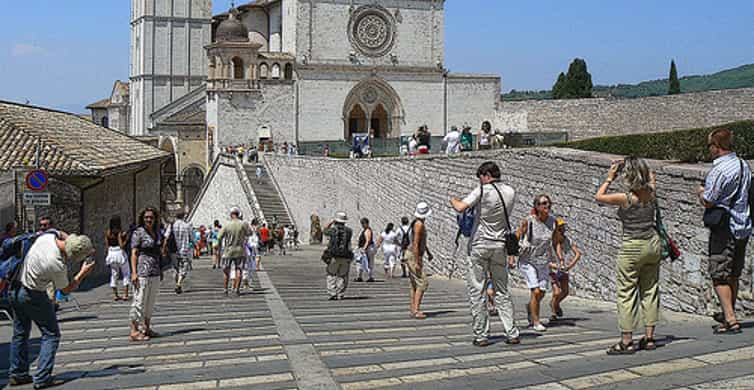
(578, 83)
(675, 85)
(559, 88)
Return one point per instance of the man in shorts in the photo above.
(233, 238)
(415, 260)
(727, 187)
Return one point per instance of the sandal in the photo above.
(647, 344)
(553, 318)
(728, 328)
(622, 349)
(419, 315)
(152, 334)
(138, 338)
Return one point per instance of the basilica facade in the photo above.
(294, 71)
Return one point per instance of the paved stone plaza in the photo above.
(285, 334)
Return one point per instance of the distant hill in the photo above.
(740, 77)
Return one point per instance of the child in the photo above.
(559, 274)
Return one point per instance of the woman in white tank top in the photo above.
(390, 249)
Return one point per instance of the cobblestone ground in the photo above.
(285, 334)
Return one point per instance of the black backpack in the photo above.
(405, 239)
(340, 243)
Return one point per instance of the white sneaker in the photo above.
(539, 328)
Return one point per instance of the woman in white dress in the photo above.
(390, 249)
(116, 258)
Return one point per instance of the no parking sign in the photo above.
(37, 180)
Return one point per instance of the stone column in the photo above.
(179, 190)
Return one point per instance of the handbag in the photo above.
(512, 245)
(668, 247)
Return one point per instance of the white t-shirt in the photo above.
(412, 145)
(44, 264)
(453, 140)
(490, 225)
(390, 240)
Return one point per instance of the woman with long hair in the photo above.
(562, 247)
(390, 247)
(536, 233)
(116, 259)
(146, 249)
(484, 137)
(638, 265)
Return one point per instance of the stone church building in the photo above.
(293, 71)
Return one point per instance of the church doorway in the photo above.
(379, 122)
(357, 121)
(373, 104)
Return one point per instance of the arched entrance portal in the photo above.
(357, 121)
(193, 178)
(374, 104)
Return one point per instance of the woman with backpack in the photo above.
(116, 259)
(388, 241)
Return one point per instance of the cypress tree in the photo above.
(578, 81)
(558, 88)
(675, 85)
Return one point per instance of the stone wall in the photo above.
(585, 118)
(226, 186)
(386, 189)
(7, 198)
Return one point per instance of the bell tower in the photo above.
(168, 59)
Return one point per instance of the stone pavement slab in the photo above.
(285, 334)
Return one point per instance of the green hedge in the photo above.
(681, 145)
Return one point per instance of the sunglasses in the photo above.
(545, 203)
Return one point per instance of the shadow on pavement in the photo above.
(77, 318)
(439, 313)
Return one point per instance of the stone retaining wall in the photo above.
(386, 189)
(586, 118)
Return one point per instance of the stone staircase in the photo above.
(267, 196)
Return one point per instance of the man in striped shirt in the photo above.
(727, 187)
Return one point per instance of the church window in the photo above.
(105, 122)
(263, 71)
(237, 68)
(275, 71)
(288, 71)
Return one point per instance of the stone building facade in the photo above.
(113, 112)
(384, 190)
(95, 173)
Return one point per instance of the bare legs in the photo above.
(534, 303)
(727, 294)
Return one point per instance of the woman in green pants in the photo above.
(638, 265)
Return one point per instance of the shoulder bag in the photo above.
(669, 249)
(511, 241)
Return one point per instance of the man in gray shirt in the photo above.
(493, 202)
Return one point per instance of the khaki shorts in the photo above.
(418, 279)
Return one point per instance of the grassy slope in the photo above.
(740, 77)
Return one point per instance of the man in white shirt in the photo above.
(452, 141)
(44, 264)
(493, 202)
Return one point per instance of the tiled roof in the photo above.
(104, 103)
(70, 145)
(198, 117)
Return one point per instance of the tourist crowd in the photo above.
(540, 247)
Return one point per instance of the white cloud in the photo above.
(26, 49)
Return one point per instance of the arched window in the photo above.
(105, 122)
(263, 71)
(288, 71)
(237, 68)
(275, 71)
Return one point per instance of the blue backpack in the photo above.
(466, 222)
(12, 254)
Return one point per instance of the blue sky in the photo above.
(66, 54)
